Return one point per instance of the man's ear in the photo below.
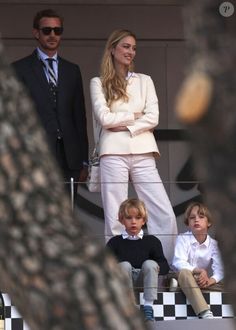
(35, 33)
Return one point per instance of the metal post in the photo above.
(72, 193)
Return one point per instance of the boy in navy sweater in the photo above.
(140, 256)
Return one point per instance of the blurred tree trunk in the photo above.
(207, 105)
(58, 277)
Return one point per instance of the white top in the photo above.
(189, 254)
(125, 235)
(139, 138)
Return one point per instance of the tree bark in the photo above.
(207, 105)
(57, 275)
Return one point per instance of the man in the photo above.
(56, 87)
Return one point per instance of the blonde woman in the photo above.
(126, 106)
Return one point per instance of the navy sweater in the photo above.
(138, 251)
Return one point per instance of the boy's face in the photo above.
(133, 222)
(198, 222)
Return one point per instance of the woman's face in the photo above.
(124, 52)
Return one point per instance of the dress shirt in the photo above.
(129, 74)
(43, 57)
(190, 254)
(125, 235)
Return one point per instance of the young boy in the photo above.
(140, 256)
(197, 259)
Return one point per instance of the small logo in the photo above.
(226, 9)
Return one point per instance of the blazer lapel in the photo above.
(37, 69)
(61, 74)
(62, 82)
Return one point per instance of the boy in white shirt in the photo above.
(197, 259)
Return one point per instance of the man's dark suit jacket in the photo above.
(70, 105)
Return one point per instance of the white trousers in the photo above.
(116, 171)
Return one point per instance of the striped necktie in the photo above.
(51, 73)
(52, 81)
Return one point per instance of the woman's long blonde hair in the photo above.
(114, 86)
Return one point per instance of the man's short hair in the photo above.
(45, 13)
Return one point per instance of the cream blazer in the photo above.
(139, 138)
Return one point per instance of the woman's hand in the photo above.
(137, 115)
(118, 129)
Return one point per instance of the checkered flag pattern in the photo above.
(13, 320)
(174, 306)
(168, 306)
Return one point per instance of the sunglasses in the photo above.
(47, 30)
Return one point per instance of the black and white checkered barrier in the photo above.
(168, 306)
(13, 320)
(174, 306)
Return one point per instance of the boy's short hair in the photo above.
(202, 210)
(132, 203)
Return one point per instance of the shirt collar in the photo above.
(131, 74)
(44, 56)
(194, 241)
(125, 235)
